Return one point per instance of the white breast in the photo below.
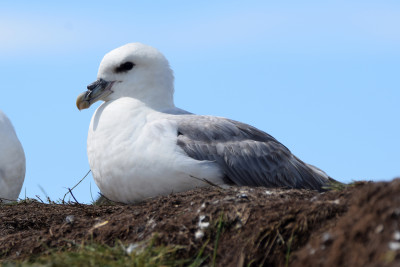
(12, 161)
(133, 154)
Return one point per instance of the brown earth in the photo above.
(357, 226)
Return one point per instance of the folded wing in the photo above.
(247, 155)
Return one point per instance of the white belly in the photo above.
(133, 154)
(12, 164)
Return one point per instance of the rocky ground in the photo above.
(239, 226)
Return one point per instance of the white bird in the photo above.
(12, 161)
(140, 145)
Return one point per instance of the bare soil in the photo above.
(357, 226)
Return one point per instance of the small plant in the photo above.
(144, 254)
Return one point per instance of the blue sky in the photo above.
(320, 76)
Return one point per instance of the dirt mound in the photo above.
(367, 235)
(357, 226)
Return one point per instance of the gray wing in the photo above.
(247, 155)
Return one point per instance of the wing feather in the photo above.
(247, 155)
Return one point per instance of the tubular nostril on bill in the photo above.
(99, 82)
(92, 85)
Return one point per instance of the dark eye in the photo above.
(124, 67)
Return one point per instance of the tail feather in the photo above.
(312, 177)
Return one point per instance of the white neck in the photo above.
(156, 98)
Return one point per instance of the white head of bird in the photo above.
(133, 70)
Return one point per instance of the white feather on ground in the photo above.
(140, 145)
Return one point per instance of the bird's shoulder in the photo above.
(210, 128)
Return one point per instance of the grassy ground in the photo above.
(239, 226)
(93, 254)
(141, 254)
